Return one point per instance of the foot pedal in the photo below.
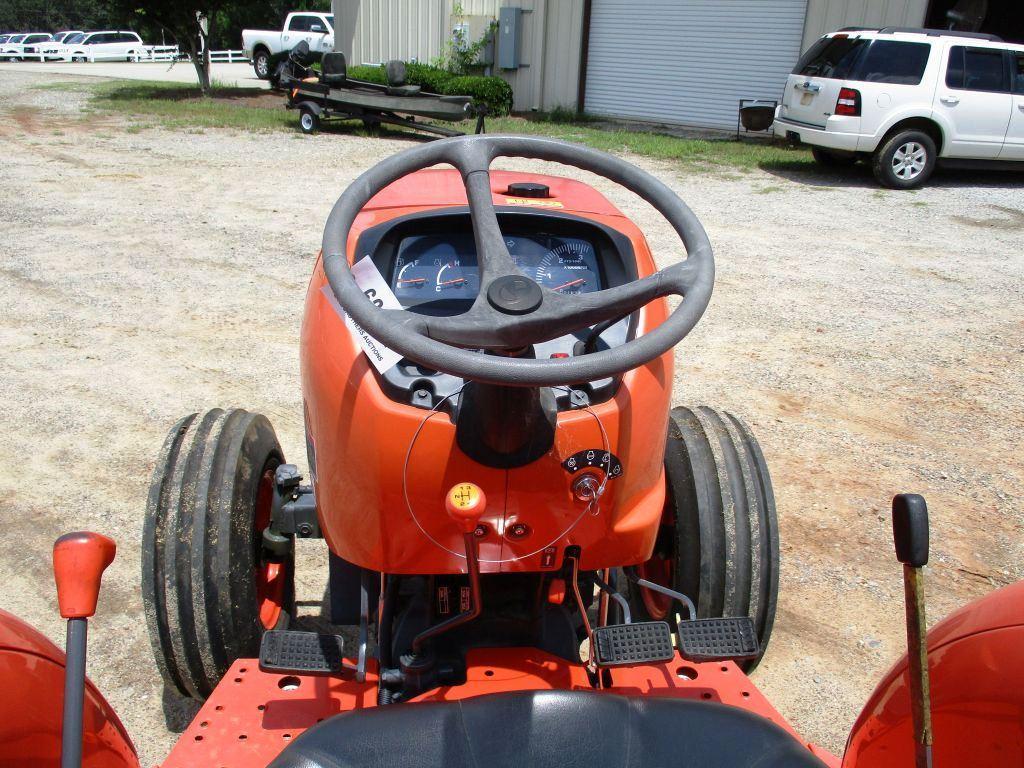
(620, 645)
(718, 639)
(306, 653)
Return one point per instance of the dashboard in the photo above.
(440, 271)
(429, 260)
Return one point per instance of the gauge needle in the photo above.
(414, 280)
(453, 281)
(570, 284)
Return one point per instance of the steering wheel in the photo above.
(511, 311)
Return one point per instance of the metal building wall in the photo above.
(824, 16)
(372, 31)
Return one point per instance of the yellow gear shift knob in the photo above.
(466, 504)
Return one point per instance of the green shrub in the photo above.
(493, 92)
(426, 77)
(367, 73)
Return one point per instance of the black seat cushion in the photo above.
(568, 729)
(333, 70)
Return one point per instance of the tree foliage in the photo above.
(158, 21)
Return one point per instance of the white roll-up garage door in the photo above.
(689, 61)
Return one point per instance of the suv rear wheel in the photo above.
(905, 161)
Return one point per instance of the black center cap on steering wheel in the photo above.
(514, 295)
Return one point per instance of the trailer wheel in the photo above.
(309, 121)
(719, 541)
(208, 587)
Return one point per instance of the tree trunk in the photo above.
(201, 63)
(201, 59)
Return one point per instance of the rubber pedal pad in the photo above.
(307, 653)
(718, 639)
(643, 642)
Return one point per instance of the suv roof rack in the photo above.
(942, 33)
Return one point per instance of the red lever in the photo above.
(79, 560)
(466, 504)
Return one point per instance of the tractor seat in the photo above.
(332, 69)
(570, 729)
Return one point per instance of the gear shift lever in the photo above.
(465, 504)
(79, 560)
(910, 534)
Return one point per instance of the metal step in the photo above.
(306, 653)
(644, 642)
(718, 639)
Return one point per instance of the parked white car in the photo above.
(20, 47)
(55, 50)
(60, 37)
(265, 46)
(108, 45)
(905, 99)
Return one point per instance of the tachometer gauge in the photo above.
(566, 268)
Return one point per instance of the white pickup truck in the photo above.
(264, 46)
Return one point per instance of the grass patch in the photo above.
(182, 107)
(707, 154)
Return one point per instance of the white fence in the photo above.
(162, 53)
(228, 57)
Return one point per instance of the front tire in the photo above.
(905, 161)
(261, 64)
(719, 541)
(208, 588)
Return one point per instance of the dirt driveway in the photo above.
(873, 340)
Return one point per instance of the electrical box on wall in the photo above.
(510, 28)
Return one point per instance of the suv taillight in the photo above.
(848, 102)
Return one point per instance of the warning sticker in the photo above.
(533, 201)
(372, 283)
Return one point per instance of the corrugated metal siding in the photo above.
(824, 16)
(378, 30)
(690, 61)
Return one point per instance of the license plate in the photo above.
(806, 99)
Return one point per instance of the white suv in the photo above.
(104, 46)
(905, 98)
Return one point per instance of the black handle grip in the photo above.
(910, 529)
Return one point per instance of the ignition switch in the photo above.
(585, 487)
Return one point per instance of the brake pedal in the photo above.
(645, 642)
(306, 653)
(718, 639)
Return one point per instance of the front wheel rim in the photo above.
(307, 122)
(271, 576)
(909, 160)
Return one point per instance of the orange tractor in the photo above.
(539, 560)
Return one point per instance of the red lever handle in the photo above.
(79, 560)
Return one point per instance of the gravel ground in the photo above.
(872, 339)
